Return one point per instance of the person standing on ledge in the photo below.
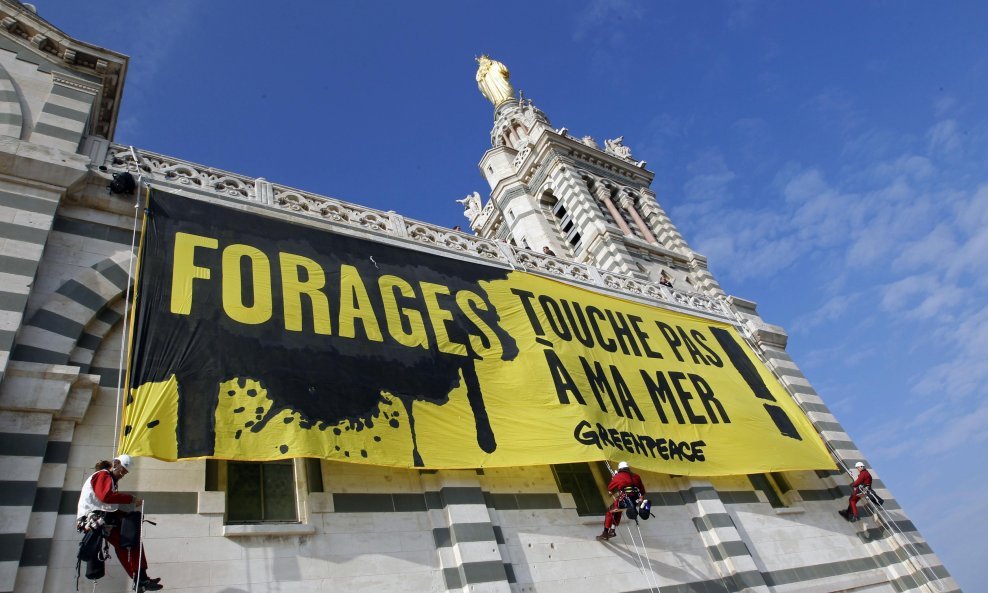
(99, 495)
(627, 489)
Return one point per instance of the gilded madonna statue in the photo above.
(492, 80)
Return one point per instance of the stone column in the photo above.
(628, 204)
(36, 180)
(599, 246)
(39, 406)
(722, 538)
(603, 194)
(464, 533)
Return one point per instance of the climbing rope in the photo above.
(644, 552)
(639, 552)
(130, 276)
(913, 556)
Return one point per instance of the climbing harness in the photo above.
(94, 549)
(912, 555)
(633, 509)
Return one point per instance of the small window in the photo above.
(781, 483)
(263, 492)
(579, 479)
(764, 484)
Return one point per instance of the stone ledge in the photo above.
(268, 529)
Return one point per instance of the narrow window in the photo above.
(781, 483)
(764, 484)
(580, 480)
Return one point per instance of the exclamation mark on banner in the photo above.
(750, 375)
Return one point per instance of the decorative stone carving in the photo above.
(521, 156)
(471, 205)
(167, 170)
(589, 141)
(484, 215)
(617, 148)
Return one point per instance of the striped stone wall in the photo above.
(72, 322)
(39, 406)
(47, 390)
(11, 117)
(25, 221)
(904, 551)
(64, 116)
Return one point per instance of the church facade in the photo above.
(560, 206)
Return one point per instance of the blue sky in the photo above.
(829, 159)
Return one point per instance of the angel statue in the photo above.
(471, 205)
(492, 80)
(617, 148)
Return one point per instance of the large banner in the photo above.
(258, 339)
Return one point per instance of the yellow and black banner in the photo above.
(259, 339)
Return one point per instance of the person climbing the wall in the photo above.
(628, 491)
(100, 497)
(860, 488)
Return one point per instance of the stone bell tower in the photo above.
(584, 202)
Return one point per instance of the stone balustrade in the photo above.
(172, 171)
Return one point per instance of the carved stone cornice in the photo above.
(167, 172)
(75, 83)
(48, 43)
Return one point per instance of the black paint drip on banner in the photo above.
(325, 379)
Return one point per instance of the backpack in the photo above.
(875, 498)
(91, 545)
(93, 550)
(130, 530)
(95, 569)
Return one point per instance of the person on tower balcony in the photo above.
(860, 487)
(664, 279)
(546, 250)
(100, 497)
(628, 492)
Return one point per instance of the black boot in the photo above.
(146, 584)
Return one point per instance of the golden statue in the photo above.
(492, 80)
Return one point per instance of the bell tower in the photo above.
(583, 202)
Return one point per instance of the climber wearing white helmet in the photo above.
(860, 487)
(627, 489)
(102, 506)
